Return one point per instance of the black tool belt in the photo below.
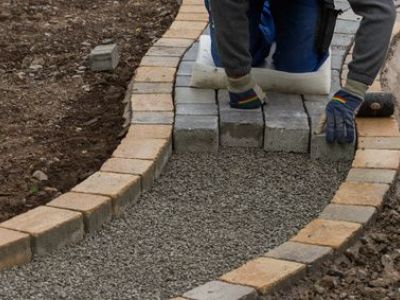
(326, 25)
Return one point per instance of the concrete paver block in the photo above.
(358, 193)
(149, 132)
(174, 43)
(301, 253)
(152, 102)
(160, 61)
(155, 74)
(382, 143)
(191, 54)
(264, 274)
(96, 210)
(197, 109)
(122, 188)
(143, 168)
(151, 88)
(50, 228)
(371, 175)
(377, 127)
(286, 124)
(153, 117)
(183, 81)
(335, 234)
(15, 248)
(341, 42)
(348, 213)
(347, 26)
(199, 9)
(185, 95)
(377, 159)
(166, 51)
(191, 17)
(185, 68)
(104, 58)
(218, 290)
(196, 134)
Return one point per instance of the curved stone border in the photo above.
(136, 162)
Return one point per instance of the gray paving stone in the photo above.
(183, 81)
(218, 290)
(286, 124)
(151, 88)
(197, 109)
(349, 15)
(153, 118)
(196, 134)
(191, 54)
(347, 26)
(319, 148)
(337, 61)
(185, 68)
(207, 30)
(185, 95)
(343, 5)
(166, 51)
(104, 58)
(239, 128)
(371, 175)
(299, 252)
(341, 43)
(336, 83)
(348, 213)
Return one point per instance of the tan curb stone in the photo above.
(166, 51)
(356, 193)
(377, 159)
(379, 143)
(184, 25)
(122, 188)
(348, 213)
(182, 33)
(199, 9)
(178, 298)
(15, 248)
(153, 117)
(378, 127)
(96, 209)
(152, 102)
(149, 132)
(182, 16)
(149, 149)
(151, 88)
(143, 168)
(192, 2)
(376, 87)
(264, 273)
(174, 43)
(301, 253)
(371, 175)
(155, 74)
(50, 228)
(335, 234)
(160, 61)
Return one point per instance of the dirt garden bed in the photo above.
(57, 117)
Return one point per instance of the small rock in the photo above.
(39, 175)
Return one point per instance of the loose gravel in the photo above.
(206, 215)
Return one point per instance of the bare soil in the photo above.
(56, 116)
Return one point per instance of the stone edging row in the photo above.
(143, 153)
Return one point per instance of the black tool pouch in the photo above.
(326, 25)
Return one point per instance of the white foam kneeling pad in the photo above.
(207, 75)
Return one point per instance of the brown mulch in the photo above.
(56, 116)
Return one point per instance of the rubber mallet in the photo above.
(377, 104)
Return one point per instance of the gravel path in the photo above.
(206, 215)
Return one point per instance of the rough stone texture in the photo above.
(382, 143)
(371, 175)
(149, 149)
(149, 132)
(286, 124)
(96, 210)
(239, 128)
(302, 253)
(357, 193)
(15, 248)
(191, 17)
(185, 95)
(154, 117)
(196, 134)
(183, 81)
(191, 54)
(187, 33)
(348, 213)
(185, 68)
(377, 159)
(155, 74)
(336, 61)
(335, 234)
(174, 43)
(319, 148)
(151, 88)
(50, 228)
(199, 9)
(347, 26)
(152, 102)
(143, 168)
(104, 58)
(122, 188)
(264, 273)
(160, 61)
(197, 109)
(218, 290)
(166, 51)
(377, 127)
(341, 42)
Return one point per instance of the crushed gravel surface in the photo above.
(205, 215)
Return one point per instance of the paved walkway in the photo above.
(206, 215)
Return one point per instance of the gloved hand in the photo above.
(340, 114)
